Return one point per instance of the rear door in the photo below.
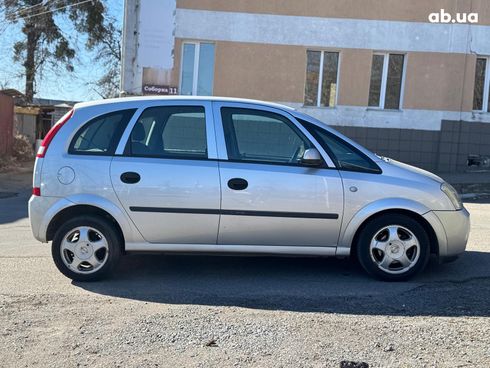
(268, 196)
(167, 177)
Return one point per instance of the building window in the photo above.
(321, 78)
(197, 69)
(481, 94)
(386, 81)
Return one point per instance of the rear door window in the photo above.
(101, 135)
(170, 132)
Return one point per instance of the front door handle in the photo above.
(130, 177)
(237, 184)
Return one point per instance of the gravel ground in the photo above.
(202, 311)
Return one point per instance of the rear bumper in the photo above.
(452, 229)
(37, 208)
(41, 211)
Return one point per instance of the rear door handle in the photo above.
(130, 177)
(237, 184)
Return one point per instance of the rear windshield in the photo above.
(101, 135)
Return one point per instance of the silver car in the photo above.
(183, 174)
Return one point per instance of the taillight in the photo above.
(52, 132)
(36, 191)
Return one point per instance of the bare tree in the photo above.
(4, 84)
(108, 53)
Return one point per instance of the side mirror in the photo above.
(312, 157)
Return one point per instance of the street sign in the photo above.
(152, 89)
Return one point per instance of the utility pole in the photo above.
(130, 48)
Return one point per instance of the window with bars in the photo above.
(321, 78)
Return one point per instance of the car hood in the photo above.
(412, 169)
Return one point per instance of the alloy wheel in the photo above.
(84, 250)
(394, 249)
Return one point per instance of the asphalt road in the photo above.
(203, 311)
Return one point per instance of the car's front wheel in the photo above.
(86, 248)
(393, 247)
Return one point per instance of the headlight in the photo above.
(453, 195)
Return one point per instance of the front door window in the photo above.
(261, 136)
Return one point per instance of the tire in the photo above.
(86, 248)
(393, 247)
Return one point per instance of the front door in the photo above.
(268, 196)
(165, 179)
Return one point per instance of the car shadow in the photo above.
(13, 206)
(301, 285)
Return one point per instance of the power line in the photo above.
(17, 12)
(51, 10)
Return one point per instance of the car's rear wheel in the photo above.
(86, 248)
(393, 247)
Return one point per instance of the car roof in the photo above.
(122, 100)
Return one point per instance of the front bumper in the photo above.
(457, 227)
(452, 229)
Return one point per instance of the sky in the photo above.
(62, 85)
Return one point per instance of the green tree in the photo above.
(43, 41)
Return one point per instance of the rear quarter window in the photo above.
(101, 135)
